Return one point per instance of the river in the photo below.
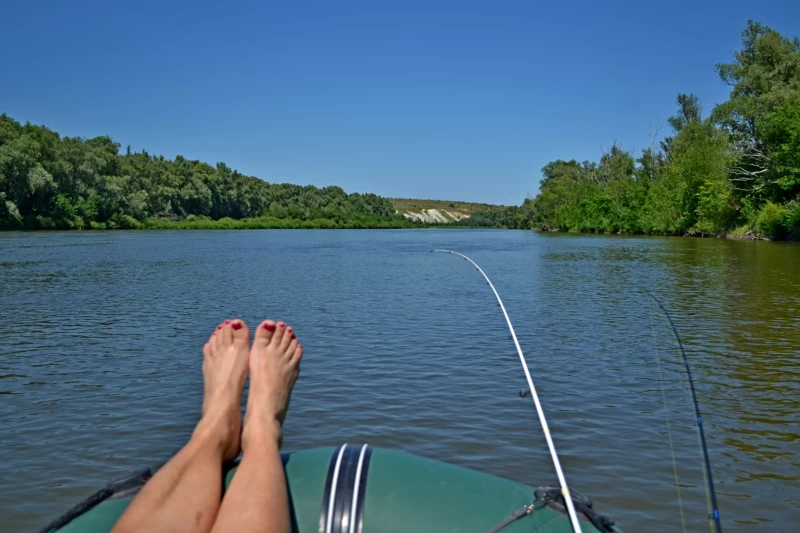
(101, 335)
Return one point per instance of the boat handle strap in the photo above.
(525, 510)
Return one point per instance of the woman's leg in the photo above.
(184, 495)
(257, 500)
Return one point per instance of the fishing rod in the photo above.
(709, 479)
(573, 516)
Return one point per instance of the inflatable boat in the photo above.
(361, 489)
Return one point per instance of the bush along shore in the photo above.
(735, 172)
(266, 222)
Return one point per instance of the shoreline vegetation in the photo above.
(734, 173)
(264, 222)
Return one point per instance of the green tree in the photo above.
(764, 77)
(689, 112)
(694, 194)
(779, 132)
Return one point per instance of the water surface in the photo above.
(101, 336)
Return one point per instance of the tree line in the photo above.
(735, 171)
(53, 182)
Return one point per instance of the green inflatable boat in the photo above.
(361, 489)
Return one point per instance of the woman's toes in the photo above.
(288, 337)
(291, 350)
(264, 332)
(213, 340)
(225, 334)
(278, 334)
(297, 354)
(240, 332)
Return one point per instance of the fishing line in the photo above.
(711, 497)
(666, 418)
(573, 516)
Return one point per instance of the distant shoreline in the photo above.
(252, 223)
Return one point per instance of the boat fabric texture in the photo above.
(361, 489)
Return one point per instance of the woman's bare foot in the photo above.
(225, 365)
(274, 369)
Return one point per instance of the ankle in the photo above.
(212, 433)
(262, 432)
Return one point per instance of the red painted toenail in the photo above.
(289, 330)
(281, 324)
(213, 333)
(219, 327)
(236, 325)
(269, 327)
(227, 321)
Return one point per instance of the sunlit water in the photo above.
(101, 335)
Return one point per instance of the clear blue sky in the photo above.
(437, 99)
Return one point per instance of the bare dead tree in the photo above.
(750, 164)
(652, 133)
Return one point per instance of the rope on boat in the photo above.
(710, 494)
(544, 496)
(573, 517)
(523, 511)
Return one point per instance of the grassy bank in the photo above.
(279, 223)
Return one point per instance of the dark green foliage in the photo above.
(268, 222)
(509, 218)
(771, 220)
(50, 182)
(764, 76)
(689, 112)
(780, 135)
(791, 218)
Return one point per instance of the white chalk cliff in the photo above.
(435, 216)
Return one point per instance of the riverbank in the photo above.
(278, 223)
(203, 223)
(742, 233)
